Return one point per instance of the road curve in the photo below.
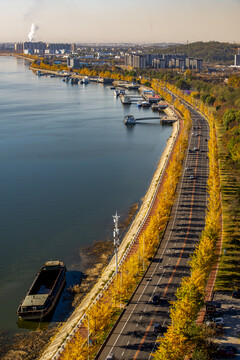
(133, 337)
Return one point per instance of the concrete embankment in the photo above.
(134, 228)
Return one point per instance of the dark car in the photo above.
(231, 348)
(236, 294)
(222, 352)
(156, 299)
(157, 328)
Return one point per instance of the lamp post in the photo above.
(116, 238)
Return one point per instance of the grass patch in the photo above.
(228, 277)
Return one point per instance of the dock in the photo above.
(148, 118)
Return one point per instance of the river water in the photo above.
(67, 163)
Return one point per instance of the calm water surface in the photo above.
(67, 163)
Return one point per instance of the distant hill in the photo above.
(212, 51)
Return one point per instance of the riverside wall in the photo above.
(71, 323)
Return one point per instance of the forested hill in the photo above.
(211, 51)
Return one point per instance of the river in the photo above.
(67, 163)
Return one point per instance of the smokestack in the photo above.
(31, 35)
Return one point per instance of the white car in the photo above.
(218, 321)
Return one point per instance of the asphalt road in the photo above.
(134, 337)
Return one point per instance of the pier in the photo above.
(131, 120)
(148, 118)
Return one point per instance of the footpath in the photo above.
(53, 348)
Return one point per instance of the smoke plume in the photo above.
(31, 35)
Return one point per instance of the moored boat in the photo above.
(155, 107)
(44, 292)
(162, 105)
(116, 92)
(146, 104)
(126, 100)
(129, 120)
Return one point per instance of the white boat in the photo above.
(126, 100)
(116, 93)
(85, 81)
(146, 104)
(129, 120)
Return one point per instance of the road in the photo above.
(133, 337)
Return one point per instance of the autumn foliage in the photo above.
(100, 316)
(177, 342)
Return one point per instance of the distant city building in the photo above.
(30, 47)
(172, 61)
(73, 62)
(159, 63)
(103, 55)
(197, 64)
(139, 61)
(37, 47)
(73, 48)
(237, 58)
(19, 47)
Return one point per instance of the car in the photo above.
(187, 168)
(157, 328)
(222, 352)
(236, 294)
(110, 357)
(191, 177)
(218, 321)
(230, 348)
(156, 299)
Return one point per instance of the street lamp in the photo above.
(116, 238)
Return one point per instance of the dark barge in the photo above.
(44, 292)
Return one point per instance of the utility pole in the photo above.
(116, 238)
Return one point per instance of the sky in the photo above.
(140, 21)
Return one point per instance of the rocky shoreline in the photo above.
(94, 258)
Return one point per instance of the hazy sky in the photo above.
(121, 20)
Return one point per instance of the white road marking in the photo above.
(164, 250)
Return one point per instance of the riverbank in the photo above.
(140, 139)
(109, 269)
(94, 258)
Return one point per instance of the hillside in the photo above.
(212, 51)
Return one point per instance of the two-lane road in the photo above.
(134, 337)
